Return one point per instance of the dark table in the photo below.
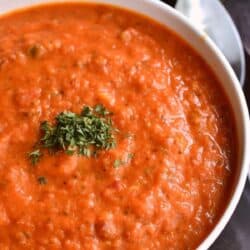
(236, 235)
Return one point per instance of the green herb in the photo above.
(85, 133)
(35, 156)
(131, 156)
(128, 135)
(42, 180)
(101, 110)
(118, 163)
(36, 51)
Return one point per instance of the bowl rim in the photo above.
(245, 161)
(240, 182)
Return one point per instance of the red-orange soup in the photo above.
(167, 105)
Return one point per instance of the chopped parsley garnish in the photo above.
(35, 51)
(35, 156)
(118, 163)
(42, 180)
(85, 133)
(130, 156)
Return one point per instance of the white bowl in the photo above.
(206, 48)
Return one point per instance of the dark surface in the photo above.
(236, 235)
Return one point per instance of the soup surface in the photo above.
(166, 182)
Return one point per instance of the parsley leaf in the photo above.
(42, 180)
(130, 156)
(35, 51)
(34, 156)
(101, 110)
(118, 163)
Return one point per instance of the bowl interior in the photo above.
(205, 47)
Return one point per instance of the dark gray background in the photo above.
(236, 235)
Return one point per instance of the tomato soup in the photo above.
(165, 183)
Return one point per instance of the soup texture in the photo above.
(164, 185)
